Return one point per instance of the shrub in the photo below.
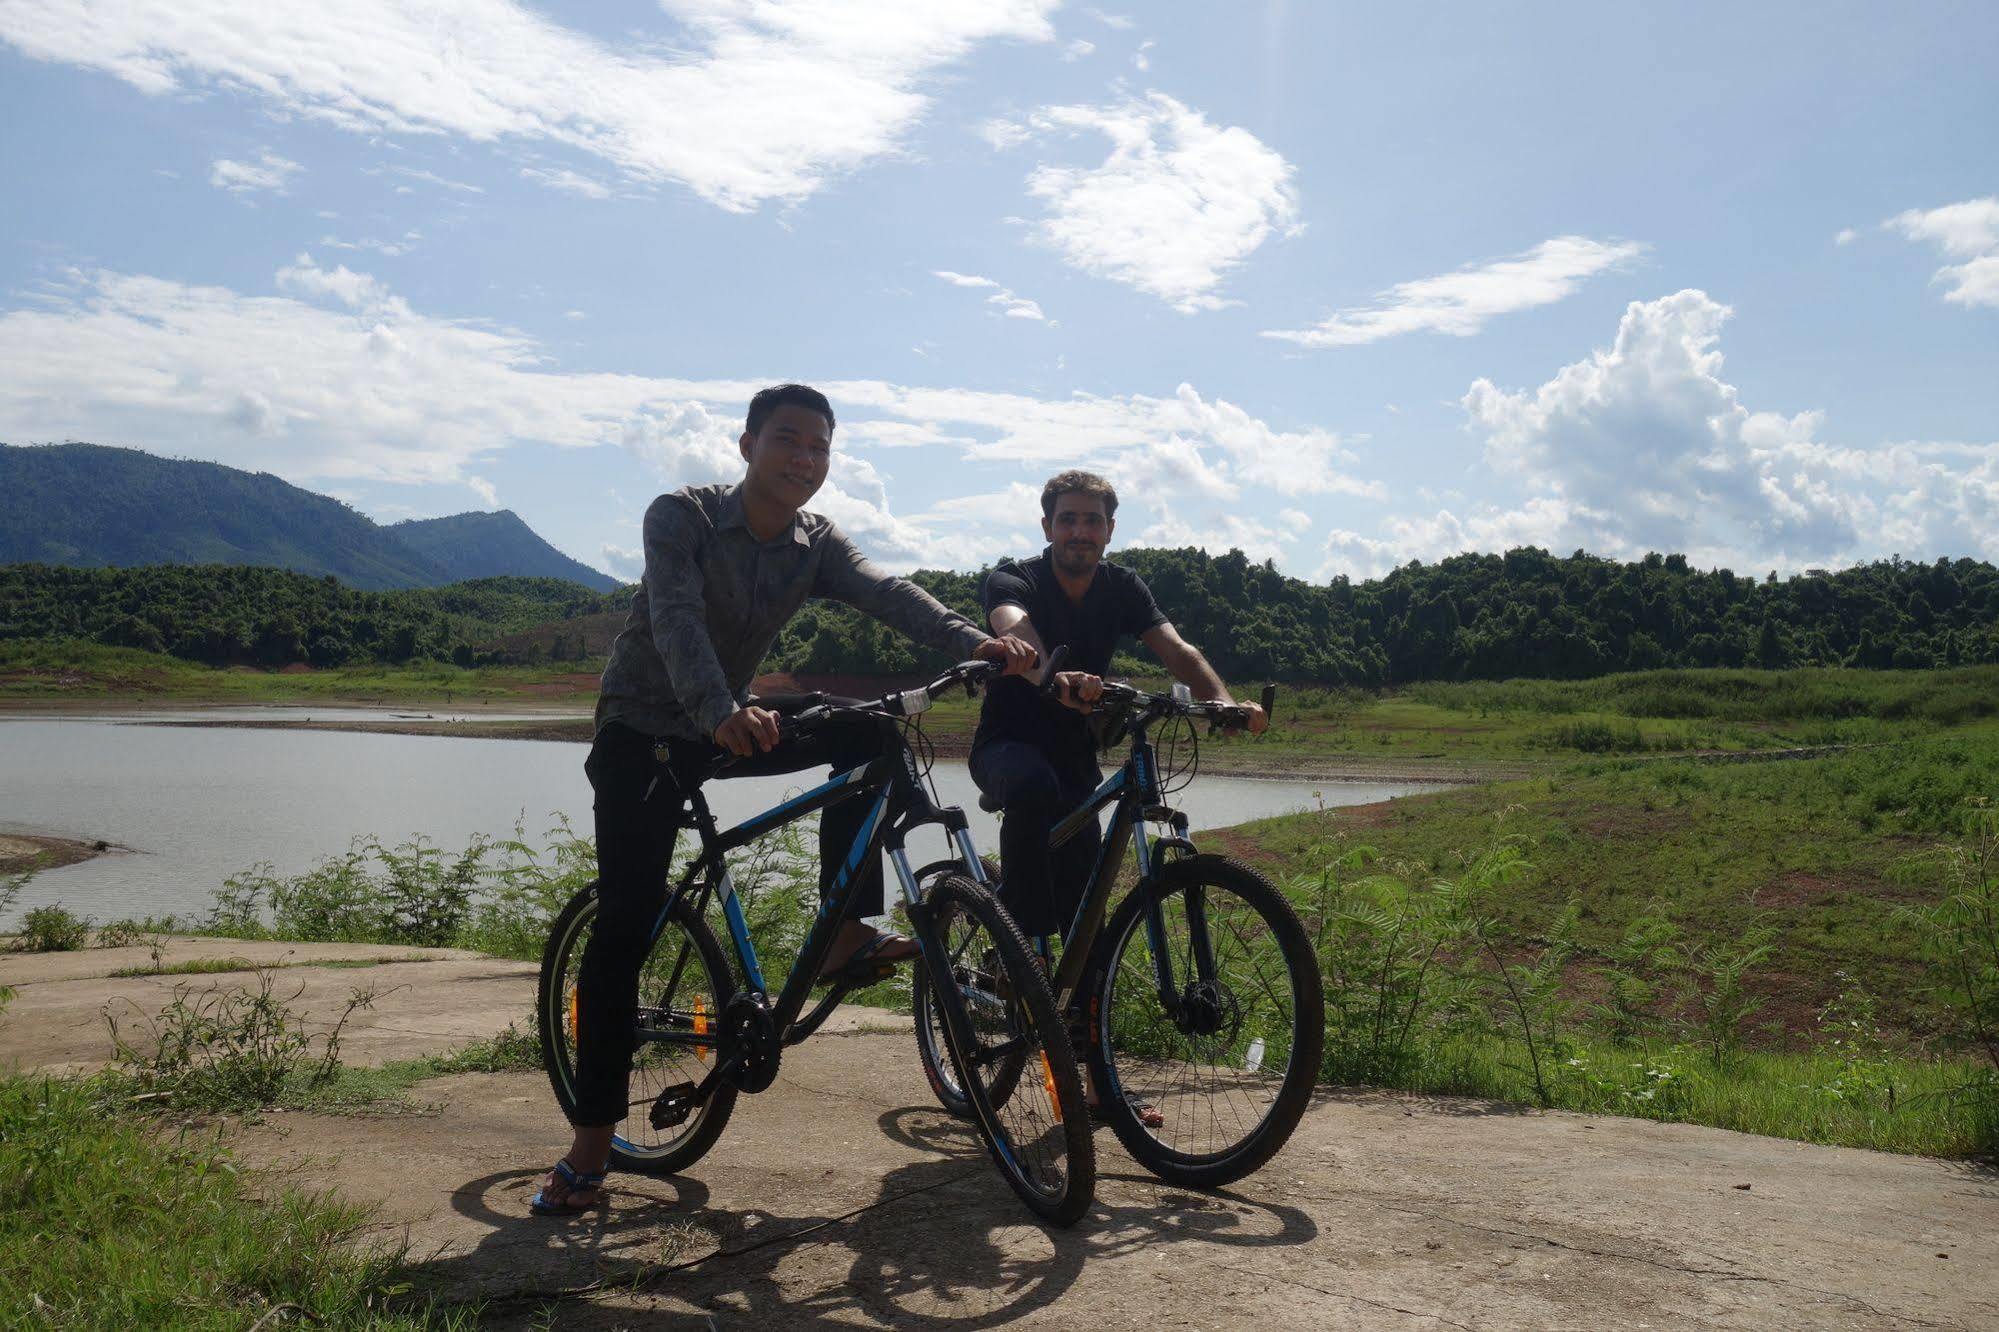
(51, 929)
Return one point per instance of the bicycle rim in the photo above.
(1229, 1065)
(683, 985)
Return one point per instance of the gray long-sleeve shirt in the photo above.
(714, 598)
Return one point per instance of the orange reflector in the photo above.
(701, 1026)
(1048, 1081)
(572, 1017)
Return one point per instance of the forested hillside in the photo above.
(491, 545)
(1523, 614)
(271, 617)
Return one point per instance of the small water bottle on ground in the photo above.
(1254, 1060)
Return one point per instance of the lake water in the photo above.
(198, 805)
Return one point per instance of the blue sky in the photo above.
(1341, 285)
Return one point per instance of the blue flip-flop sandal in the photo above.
(577, 1182)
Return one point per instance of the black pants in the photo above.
(1039, 886)
(636, 800)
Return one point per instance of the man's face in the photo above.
(789, 456)
(1078, 533)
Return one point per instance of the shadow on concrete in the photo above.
(943, 1242)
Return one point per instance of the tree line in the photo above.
(231, 615)
(1522, 614)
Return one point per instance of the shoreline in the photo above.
(23, 852)
(578, 728)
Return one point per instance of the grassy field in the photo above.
(1821, 850)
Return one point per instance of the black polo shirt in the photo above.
(1118, 603)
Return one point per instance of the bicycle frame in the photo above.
(900, 805)
(1134, 790)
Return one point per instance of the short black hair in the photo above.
(1077, 483)
(786, 395)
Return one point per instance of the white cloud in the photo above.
(1645, 447)
(1176, 206)
(1541, 521)
(1139, 59)
(1119, 22)
(1967, 231)
(432, 178)
(389, 249)
(755, 100)
(569, 182)
(1845, 236)
(1460, 303)
(1230, 531)
(338, 378)
(622, 563)
(356, 291)
(268, 172)
(483, 488)
(1008, 304)
(1077, 49)
(574, 314)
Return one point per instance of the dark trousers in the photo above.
(1041, 887)
(636, 803)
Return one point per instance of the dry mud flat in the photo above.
(843, 1197)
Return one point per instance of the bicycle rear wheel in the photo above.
(1009, 1050)
(1227, 1058)
(683, 985)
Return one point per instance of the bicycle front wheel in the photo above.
(684, 983)
(1207, 1018)
(1009, 1049)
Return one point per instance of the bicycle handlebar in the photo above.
(1229, 716)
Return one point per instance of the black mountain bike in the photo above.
(707, 1031)
(1200, 1003)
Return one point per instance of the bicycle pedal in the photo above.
(671, 1107)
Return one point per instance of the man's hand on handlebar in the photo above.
(1257, 719)
(1019, 655)
(748, 731)
(1078, 689)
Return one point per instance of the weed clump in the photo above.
(226, 1049)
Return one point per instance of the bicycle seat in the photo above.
(988, 803)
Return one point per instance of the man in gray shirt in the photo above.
(725, 568)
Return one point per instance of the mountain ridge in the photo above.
(100, 506)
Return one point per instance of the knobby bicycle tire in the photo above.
(704, 986)
(1206, 1076)
(1033, 1120)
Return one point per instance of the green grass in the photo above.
(1805, 1097)
(194, 966)
(1823, 849)
(214, 966)
(110, 1220)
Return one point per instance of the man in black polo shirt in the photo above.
(1033, 754)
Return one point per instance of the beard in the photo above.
(1078, 560)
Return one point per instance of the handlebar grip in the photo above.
(1269, 699)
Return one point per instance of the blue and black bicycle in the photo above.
(708, 1028)
(1197, 1002)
